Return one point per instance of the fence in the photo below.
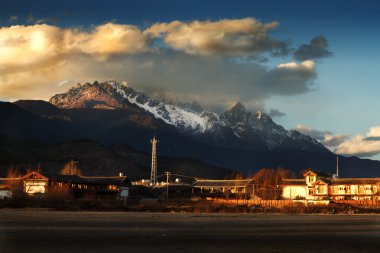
(362, 202)
(283, 203)
(252, 202)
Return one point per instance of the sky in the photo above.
(312, 65)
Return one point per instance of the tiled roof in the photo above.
(88, 180)
(323, 181)
(337, 181)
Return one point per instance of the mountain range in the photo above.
(114, 113)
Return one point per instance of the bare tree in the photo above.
(235, 175)
(268, 182)
(70, 168)
(14, 182)
(13, 173)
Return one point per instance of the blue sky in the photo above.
(340, 106)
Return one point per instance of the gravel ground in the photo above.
(30, 231)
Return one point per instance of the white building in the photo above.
(318, 186)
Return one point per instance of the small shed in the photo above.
(34, 183)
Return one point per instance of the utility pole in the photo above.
(167, 184)
(337, 166)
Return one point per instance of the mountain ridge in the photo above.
(236, 121)
(130, 124)
(94, 159)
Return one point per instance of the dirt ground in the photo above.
(50, 231)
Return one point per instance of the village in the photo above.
(267, 186)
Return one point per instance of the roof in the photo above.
(65, 178)
(76, 179)
(322, 182)
(34, 175)
(294, 181)
(222, 183)
(355, 181)
(106, 180)
(7, 181)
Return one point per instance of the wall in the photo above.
(292, 191)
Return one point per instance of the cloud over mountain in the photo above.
(172, 56)
(276, 113)
(327, 138)
(361, 145)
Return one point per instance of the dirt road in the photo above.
(30, 231)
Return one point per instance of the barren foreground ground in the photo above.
(30, 231)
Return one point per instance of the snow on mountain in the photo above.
(170, 114)
(244, 125)
(113, 94)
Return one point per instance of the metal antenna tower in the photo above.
(153, 172)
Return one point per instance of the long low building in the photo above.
(318, 186)
(35, 183)
(242, 187)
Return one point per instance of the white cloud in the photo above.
(316, 134)
(39, 45)
(231, 37)
(334, 140)
(327, 138)
(374, 131)
(291, 78)
(108, 39)
(306, 65)
(362, 145)
(35, 58)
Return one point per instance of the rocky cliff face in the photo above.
(89, 95)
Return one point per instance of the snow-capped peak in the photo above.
(182, 118)
(259, 115)
(189, 118)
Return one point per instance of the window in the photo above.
(320, 189)
(311, 179)
(112, 187)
